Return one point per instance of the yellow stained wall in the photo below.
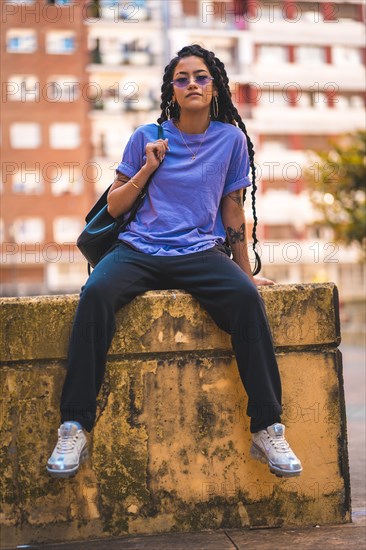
(170, 448)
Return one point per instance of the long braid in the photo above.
(227, 113)
(258, 263)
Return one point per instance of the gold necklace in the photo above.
(193, 154)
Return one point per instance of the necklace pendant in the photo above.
(194, 157)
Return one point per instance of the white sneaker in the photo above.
(70, 451)
(270, 447)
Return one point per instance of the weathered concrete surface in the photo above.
(170, 449)
(39, 327)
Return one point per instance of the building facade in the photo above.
(296, 73)
(47, 175)
(297, 77)
(126, 59)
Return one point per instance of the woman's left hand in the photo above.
(262, 281)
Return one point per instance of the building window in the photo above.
(342, 55)
(304, 100)
(60, 42)
(25, 135)
(319, 100)
(356, 102)
(62, 88)
(25, 2)
(64, 135)
(274, 143)
(22, 88)
(28, 230)
(59, 2)
(271, 13)
(348, 101)
(66, 229)
(27, 182)
(21, 41)
(341, 101)
(310, 54)
(346, 12)
(2, 231)
(271, 98)
(269, 53)
(68, 182)
(306, 11)
(116, 9)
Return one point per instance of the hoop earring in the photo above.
(215, 107)
(167, 109)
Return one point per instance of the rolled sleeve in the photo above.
(126, 169)
(132, 158)
(237, 176)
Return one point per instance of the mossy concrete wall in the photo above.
(170, 449)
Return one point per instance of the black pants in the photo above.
(219, 285)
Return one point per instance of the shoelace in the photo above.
(66, 443)
(279, 443)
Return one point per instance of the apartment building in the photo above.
(297, 77)
(296, 74)
(48, 178)
(125, 66)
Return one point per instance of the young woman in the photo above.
(179, 239)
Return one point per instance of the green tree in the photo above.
(336, 180)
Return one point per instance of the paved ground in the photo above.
(350, 536)
(354, 361)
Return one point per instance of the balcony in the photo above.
(345, 76)
(305, 30)
(307, 120)
(122, 55)
(111, 107)
(116, 10)
(223, 24)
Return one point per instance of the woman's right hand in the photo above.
(155, 153)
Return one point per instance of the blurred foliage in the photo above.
(337, 184)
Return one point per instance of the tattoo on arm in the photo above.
(236, 235)
(122, 177)
(119, 180)
(237, 196)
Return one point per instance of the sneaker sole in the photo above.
(64, 474)
(257, 454)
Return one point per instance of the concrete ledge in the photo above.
(299, 315)
(170, 449)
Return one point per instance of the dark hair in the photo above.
(227, 113)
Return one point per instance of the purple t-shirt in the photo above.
(181, 211)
